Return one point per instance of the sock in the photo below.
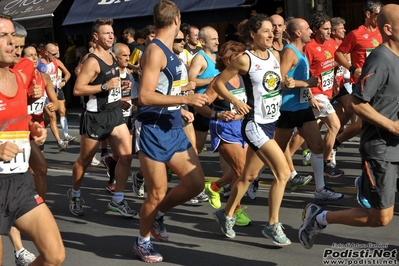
(75, 193)
(139, 176)
(118, 197)
(104, 152)
(141, 240)
(336, 144)
(293, 174)
(64, 125)
(318, 170)
(214, 187)
(237, 208)
(322, 218)
(327, 162)
(18, 252)
(112, 166)
(159, 214)
(60, 141)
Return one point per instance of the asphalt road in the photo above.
(105, 238)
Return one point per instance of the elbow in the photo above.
(76, 92)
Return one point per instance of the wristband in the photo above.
(352, 69)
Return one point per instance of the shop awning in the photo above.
(86, 11)
(31, 14)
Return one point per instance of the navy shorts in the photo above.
(255, 134)
(159, 144)
(17, 197)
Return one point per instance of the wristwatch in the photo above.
(104, 87)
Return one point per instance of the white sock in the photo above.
(118, 197)
(322, 218)
(318, 170)
(293, 174)
(64, 125)
(75, 193)
(19, 252)
(141, 240)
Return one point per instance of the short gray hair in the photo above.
(20, 31)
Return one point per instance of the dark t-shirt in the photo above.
(132, 46)
(379, 86)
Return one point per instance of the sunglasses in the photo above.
(53, 54)
(178, 40)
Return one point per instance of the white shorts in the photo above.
(326, 107)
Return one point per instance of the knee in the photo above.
(380, 220)
(316, 147)
(56, 256)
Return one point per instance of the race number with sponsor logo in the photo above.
(20, 163)
(36, 108)
(271, 104)
(241, 95)
(115, 94)
(176, 90)
(327, 79)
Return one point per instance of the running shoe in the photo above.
(105, 160)
(275, 232)
(253, 187)
(310, 227)
(242, 218)
(332, 171)
(327, 194)
(62, 146)
(306, 157)
(158, 230)
(333, 154)
(359, 196)
(299, 181)
(138, 184)
(121, 207)
(25, 258)
(202, 197)
(75, 204)
(193, 201)
(225, 223)
(70, 138)
(94, 161)
(214, 197)
(110, 187)
(146, 252)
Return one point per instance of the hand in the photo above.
(38, 133)
(241, 107)
(62, 84)
(226, 116)
(113, 83)
(124, 105)
(191, 85)
(197, 99)
(313, 82)
(50, 107)
(314, 104)
(8, 151)
(357, 73)
(187, 116)
(289, 83)
(126, 85)
(37, 91)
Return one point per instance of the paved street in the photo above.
(105, 238)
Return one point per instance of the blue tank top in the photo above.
(223, 105)
(297, 99)
(169, 78)
(210, 72)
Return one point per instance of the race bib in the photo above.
(241, 95)
(20, 163)
(115, 94)
(176, 90)
(340, 71)
(36, 108)
(303, 95)
(271, 104)
(127, 112)
(327, 79)
(53, 78)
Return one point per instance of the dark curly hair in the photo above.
(318, 20)
(253, 24)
